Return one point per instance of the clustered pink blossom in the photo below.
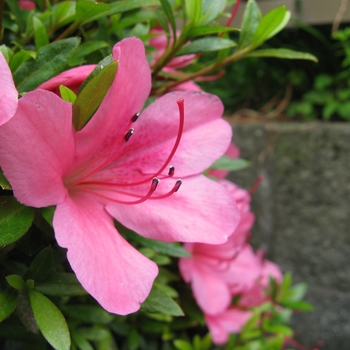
(121, 165)
(219, 273)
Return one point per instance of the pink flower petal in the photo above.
(37, 148)
(108, 267)
(210, 291)
(125, 97)
(230, 321)
(205, 138)
(72, 78)
(189, 215)
(8, 92)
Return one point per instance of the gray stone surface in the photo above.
(303, 215)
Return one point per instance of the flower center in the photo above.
(121, 189)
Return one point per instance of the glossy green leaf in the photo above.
(4, 184)
(89, 314)
(20, 57)
(206, 45)
(90, 98)
(67, 94)
(200, 31)
(193, 11)
(231, 164)
(51, 60)
(170, 249)
(16, 282)
(169, 14)
(81, 342)
(7, 52)
(210, 10)
(298, 305)
(86, 49)
(63, 13)
(127, 5)
(15, 219)
(40, 35)
(40, 267)
(48, 213)
(60, 284)
(250, 22)
(182, 344)
(160, 302)
(50, 321)
(87, 11)
(8, 302)
(270, 25)
(283, 53)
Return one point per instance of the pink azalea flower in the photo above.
(72, 79)
(160, 42)
(229, 321)
(103, 172)
(8, 92)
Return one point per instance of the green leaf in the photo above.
(86, 49)
(7, 52)
(127, 5)
(51, 61)
(206, 45)
(270, 25)
(283, 53)
(87, 11)
(90, 98)
(210, 10)
(8, 302)
(16, 282)
(170, 249)
(20, 57)
(89, 314)
(298, 305)
(81, 342)
(67, 94)
(231, 164)
(61, 284)
(193, 11)
(250, 22)
(169, 14)
(159, 302)
(182, 344)
(4, 184)
(199, 31)
(40, 35)
(63, 13)
(133, 339)
(40, 267)
(15, 219)
(50, 321)
(17, 14)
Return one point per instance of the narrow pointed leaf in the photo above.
(199, 31)
(50, 321)
(193, 11)
(206, 45)
(51, 60)
(210, 10)
(8, 302)
(89, 99)
(127, 5)
(169, 14)
(15, 219)
(250, 22)
(41, 265)
(270, 25)
(4, 184)
(226, 163)
(16, 282)
(87, 11)
(283, 53)
(159, 302)
(40, 35)
(67, 94)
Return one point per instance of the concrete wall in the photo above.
(303, 215)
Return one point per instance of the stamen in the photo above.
(135, 117)
(153, 187)
(173, 190)
(171, 170)
(128, 134)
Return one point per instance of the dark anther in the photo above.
(177, 185)
(135, 117)
(171, 170)
(154, 184)
(128, 134)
